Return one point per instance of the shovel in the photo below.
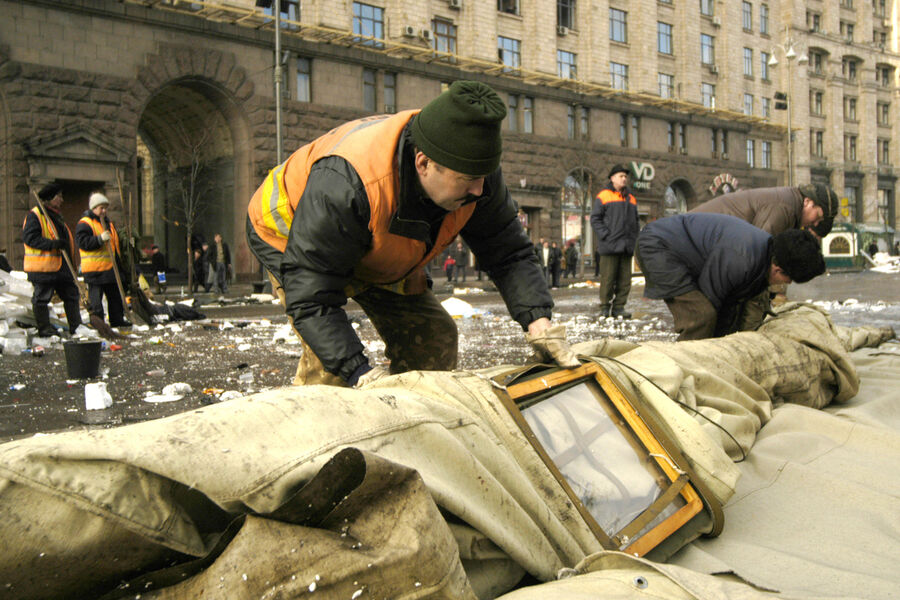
(97, 322)
(112, 256)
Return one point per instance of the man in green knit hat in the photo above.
(360, 212)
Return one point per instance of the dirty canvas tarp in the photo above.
(230, 492)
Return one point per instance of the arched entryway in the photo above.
(188, 153)
(678, 196)
(577, 196)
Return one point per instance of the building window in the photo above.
(527, 114)
(635, 132)
(664, 38)
(510, 53)
(884, 74)
(884, 152)
(290, 11)
(747, 16)
(764, 19)
(851, 193)
(585, 120)
(847, 3)
(849, 108)
(368, 20)
(623, 130)
(766, 158)
(682, 138)
(618, 25)
(666, 85)
(565, 13)
(817, 63)
(512, 113)
(748, 62)
(565, 64)
(618, 75)
(816, 143)
(815, 102)
(444, 35)
(510, 7)
(389, 83)
(670, 135)
(714, 142)
(707, 49)
(883, 112)
(751, 153)
(570, 121)
(848, 69)
(369, 77)
(723, 143)
(850, 147)
(847, 31)
(630, 130)
(764, 66)
(706, 7)
(885, 206)
(708, 95)
(879, 6)
(813, 21)
(303, 80)
(748, 104)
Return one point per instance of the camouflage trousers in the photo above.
(418, 334)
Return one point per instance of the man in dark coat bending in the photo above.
(706, 267)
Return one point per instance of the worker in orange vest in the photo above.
(98, 243)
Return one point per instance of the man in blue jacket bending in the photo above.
(706, 266)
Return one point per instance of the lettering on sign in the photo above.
(723, 184)
(643, 175)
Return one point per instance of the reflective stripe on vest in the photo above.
(370, 146)
(44, 261)
(93, 261)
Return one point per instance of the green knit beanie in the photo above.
(460, 129)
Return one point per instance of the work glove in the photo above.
(371, 375)
(551, 346)
(105, 236)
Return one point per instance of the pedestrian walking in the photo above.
(360, 212)
(707, 266)
(98, 244)
(614, 219)
(571, 259)
(461, 261)
(219, 257)
(46, 236)
(554, 264)
(159, 266)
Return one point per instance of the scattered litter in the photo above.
(17, 386)
(285, 334)
(96, 397)
(115, 347)
(262, 298)
(460, 308)
(159, 398)
(226, 325)
(241, 366)
(156, 373)
(246, 377)
(230, 395)
(213, 391)
(177, 388)
(244, 347)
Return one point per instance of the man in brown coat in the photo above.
(777, 209)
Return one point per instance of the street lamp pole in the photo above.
(279, 78)
(789, 55)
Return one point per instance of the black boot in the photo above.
(42, 320)
(604, 310)
(619, 311)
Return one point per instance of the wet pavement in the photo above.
(242, 347)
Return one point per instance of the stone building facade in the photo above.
(126, 96)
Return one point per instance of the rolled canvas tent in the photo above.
(425, 485)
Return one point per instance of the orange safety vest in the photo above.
(45, 261)
(369, 145)
(94, 261)
(606, 196)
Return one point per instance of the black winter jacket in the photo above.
(86, 240)
(615, 223)
(329, 235)
(724, 257)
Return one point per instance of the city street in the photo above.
(247, 346)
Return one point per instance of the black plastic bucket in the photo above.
(83, 359)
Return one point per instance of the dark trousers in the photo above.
(96, 291)
(459, 269)
(694, 315)
(222, 277)
(554, 276)
(68, 293)
(614, 271)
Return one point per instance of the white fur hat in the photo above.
(97, 199)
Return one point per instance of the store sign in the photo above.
(641, 175)
(723, 184)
